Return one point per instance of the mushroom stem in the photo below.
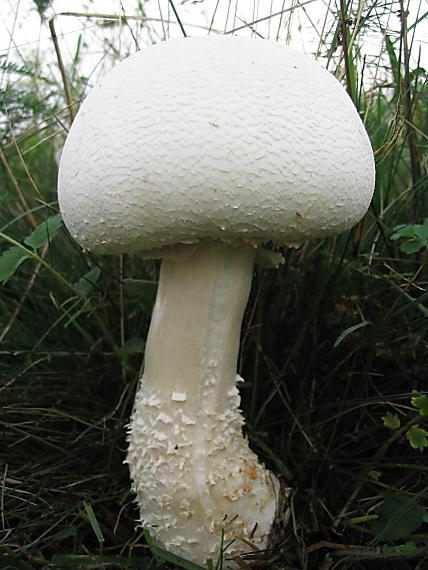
(193, 471)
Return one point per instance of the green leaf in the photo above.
(391, 421)
(421, 230)
(86, 284)
(399, 516)
(93, 520)
(417, 235)
(349, 331)
(420, 402)
(10, 260)
(417, 437)
(64, 533)
(403, 231)
(44, 232)
(412, 245)
(133, 346)
(392, 57)
(141, 289)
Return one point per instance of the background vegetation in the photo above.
(334, 343)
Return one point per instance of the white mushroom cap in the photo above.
(218, 137)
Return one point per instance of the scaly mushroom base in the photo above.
(193, 471)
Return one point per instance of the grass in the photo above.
(334, 342)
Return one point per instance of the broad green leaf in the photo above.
(44, 232)
(409, 233)
(133, 346)
(141, 289)
(421, 230)
(10, 260)
(420, 402)
(412, 245)
(391, 421)
(399, 516)
(417, 235)
(93, 520)
(64, 533)
(403, 231)
(417, 437)
(86, 283)
(349, 331)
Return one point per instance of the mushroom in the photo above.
(197, 151)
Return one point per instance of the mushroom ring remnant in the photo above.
(198, 151)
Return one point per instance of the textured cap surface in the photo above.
(217, 137)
